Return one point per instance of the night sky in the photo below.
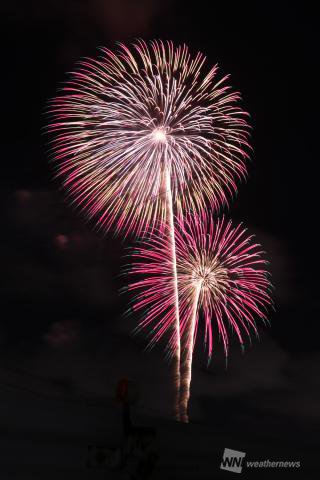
(62, 316)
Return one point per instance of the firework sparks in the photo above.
(220, 272)
(143, 131)
(127, 118)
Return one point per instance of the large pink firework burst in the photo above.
(145, 122)
(220, 272)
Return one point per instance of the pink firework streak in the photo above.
(220, 272)
(146, 130)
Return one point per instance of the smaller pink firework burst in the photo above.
(221, 272)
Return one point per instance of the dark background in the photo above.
(61, 311)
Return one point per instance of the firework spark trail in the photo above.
(220, 271)
(176, 326)
(186, 359)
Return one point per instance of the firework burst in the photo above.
(145, 131)
(131, 125)
(220, 274)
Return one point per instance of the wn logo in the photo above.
(232, 460)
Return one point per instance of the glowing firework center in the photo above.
(159, 135)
